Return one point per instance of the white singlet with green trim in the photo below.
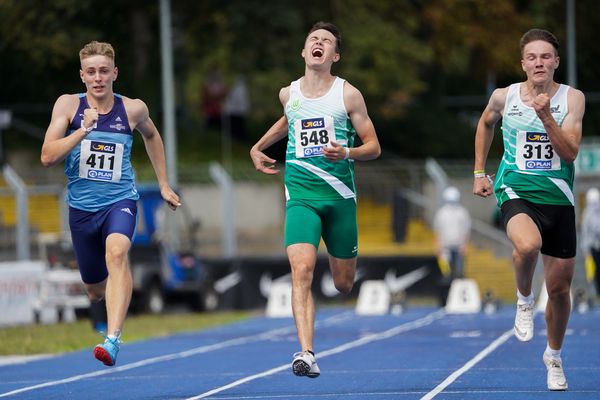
(312, 124)
(530, 168)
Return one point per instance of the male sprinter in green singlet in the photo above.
(541, 128)
(323, 113)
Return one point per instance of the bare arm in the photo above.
(565, 139)
(140, 119)
(357, 111)
(484, 136)
(56, 145)
(276, 132)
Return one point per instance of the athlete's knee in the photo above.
(303, 271)
(343, 271)
(116, 256)
(528, 247)
(95, 292)
(345, 285)
(558, 290)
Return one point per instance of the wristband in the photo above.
(479, 175)
(87, 130)
(479, 171)
(347, 153)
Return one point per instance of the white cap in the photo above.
(451, 195)
(592, 196)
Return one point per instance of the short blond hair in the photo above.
(539, 34)
(95, 48)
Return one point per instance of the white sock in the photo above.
(524, 299)
(552, 353)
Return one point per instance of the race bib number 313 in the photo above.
(100, 161)
(312, 134)
(535, 152)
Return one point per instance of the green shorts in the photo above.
(306, 221)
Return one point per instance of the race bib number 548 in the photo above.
(312, 134)
(535, 152)
(100, 161)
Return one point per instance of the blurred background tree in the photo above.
(425, 67)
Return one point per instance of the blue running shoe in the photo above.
(107, 351)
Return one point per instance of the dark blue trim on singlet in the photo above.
(115, 120)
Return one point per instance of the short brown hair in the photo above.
(328, 26)
(539, 34)
(95, 48)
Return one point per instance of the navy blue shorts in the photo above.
(89, 231)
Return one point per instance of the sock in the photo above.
(524, 299)
(115, 336)
(553, 353)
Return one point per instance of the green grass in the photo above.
(59, 338)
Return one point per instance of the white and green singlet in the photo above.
(312, 124)
(530, 168)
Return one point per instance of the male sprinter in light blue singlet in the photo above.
(323, 113)
(541, 128)
(93, 133)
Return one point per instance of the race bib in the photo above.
(535, 152)
(100, 161)
(312, 134)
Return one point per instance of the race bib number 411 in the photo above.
(100, 161)
(535, 152)
(312, 134)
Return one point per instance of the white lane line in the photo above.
(397, 394)
(183, 354)
(470, 364)
(427, 320)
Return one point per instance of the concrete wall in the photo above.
(257, 206)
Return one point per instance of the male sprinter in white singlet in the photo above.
(323, 113)
(93, 133)
(541, 128)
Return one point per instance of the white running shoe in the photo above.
(304, 364)
(556, 376)
(524, 322)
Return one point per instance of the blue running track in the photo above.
(420, 354)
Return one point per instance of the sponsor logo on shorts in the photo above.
(103, 147)
(313, 123)
(99, 175)
(127, 210)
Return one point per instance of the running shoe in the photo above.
(524, 322)
(304, 364)
(556, 376)
(107, 351)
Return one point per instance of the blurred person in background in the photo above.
(322, 115)
(590, 237)
(452, 227)
(237, 107)
(214, 93)
(542, 128)
(93, 133)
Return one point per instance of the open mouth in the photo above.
(317, 52)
